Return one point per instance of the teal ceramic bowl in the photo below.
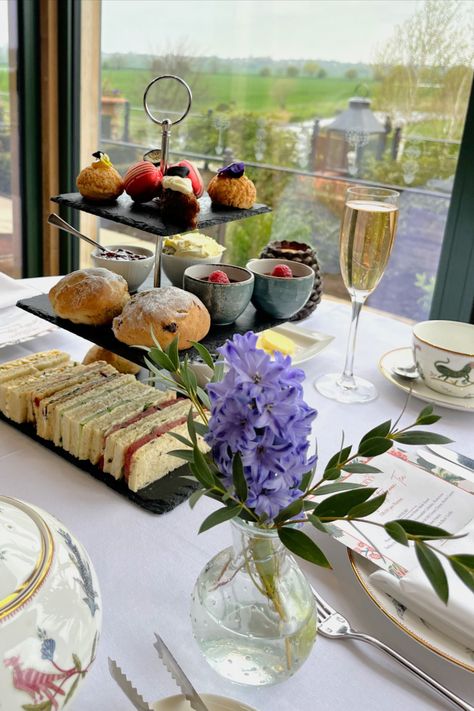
(278, 296)
(225, 302)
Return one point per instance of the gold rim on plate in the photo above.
(30, 586)
(421, 640)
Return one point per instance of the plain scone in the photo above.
(121, 364)
(169, 311)
(91, 296)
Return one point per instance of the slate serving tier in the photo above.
(250, 320)
(159, 497)
(147, 216)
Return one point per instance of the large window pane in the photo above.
(10, 232)
(310, 109)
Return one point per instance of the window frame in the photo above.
(29, 108)
(454, 290)
(453, 298)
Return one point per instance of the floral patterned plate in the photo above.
(404, 357)
(214, 703)
(407, 621)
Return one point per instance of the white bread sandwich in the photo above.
(86, 404)
(29, 364)
(48, 416)
(94, 431)
(56, 383)
(73, 422)
(148, 458)
(119, 439)
(16, 381)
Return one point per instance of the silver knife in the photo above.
(127, 687)
(179, 676)
(452, 456)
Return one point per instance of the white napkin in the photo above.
(456, 619)
(17, 326)
(13, 289)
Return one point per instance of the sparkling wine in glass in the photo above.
(367, 233)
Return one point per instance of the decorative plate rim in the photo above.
(29, 587)
(418, 638)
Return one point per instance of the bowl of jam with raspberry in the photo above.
(282, 287)
(225, 291)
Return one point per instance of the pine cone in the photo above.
(303, 253)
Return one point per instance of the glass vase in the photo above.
(253, 612)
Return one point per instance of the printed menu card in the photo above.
(413, 493)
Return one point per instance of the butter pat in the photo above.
(193, 244)
(271, 341)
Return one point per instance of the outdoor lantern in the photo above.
(350, 134)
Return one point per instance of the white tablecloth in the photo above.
(147, 564)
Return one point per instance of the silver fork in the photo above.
(333, 625)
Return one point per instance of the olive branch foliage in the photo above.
(344, 501)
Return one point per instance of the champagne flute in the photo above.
(366, 238)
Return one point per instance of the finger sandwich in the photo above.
(74, 422)
(120, 439)
(61, 381)
(93, 433)
(51, 406)
(18, 377)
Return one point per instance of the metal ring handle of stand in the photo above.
(166, 123)
(165, 137)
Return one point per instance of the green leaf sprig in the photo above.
(345, 501)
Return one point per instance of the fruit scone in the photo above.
(17, 378)
(139, 451)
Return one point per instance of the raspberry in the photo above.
(218, 277)
(282, 270)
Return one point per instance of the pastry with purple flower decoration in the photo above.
(178, 202)
(231, 188)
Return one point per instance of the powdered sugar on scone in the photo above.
(169, 311)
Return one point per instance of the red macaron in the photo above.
(142, 181)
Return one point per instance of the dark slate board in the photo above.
(250, 320)
(147, 216)
(158, 498)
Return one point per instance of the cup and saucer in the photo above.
(443, 352)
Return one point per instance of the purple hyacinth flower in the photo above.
(258, 410)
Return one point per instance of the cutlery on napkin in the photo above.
(179, 676)
(452, 456)
(456, 619)
(459, 471)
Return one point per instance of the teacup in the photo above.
(444, 355)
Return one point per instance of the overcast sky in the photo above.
(345, 30)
